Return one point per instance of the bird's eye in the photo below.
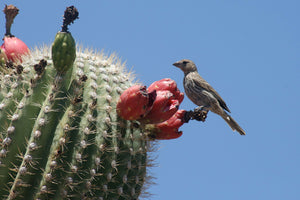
(185, 62)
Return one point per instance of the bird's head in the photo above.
(186, 65)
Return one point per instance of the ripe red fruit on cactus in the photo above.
(169, 129)
(135, 102)
(167, 84)
(13, 47)
(164, 106)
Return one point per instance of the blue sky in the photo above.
(247, 50)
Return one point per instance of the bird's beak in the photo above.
(177, 64)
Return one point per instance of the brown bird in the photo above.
(202, 94)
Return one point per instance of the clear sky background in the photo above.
(247, 50)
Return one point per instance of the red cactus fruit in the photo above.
(13, 47)
(164, 106)
(167, 84)
(169, 129)
(135, 102)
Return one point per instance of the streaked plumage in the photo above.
(202, 94)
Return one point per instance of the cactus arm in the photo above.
(114, 164)
(64, 141)
(60, 154)
(45, 124)
(84, 147)
(19, 129)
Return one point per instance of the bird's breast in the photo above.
(195, 93)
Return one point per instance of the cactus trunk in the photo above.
(61, 137)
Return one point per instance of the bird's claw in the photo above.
(198, 114)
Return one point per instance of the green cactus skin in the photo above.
(3, 59)
(60, 135)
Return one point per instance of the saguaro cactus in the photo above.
(61, 137)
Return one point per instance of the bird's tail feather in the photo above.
(233, 124)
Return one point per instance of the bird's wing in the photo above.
(200, 82)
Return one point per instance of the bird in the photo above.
(201, 93)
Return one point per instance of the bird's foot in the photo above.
(199, 114)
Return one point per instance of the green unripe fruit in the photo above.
(63, 51)
(60, 135)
